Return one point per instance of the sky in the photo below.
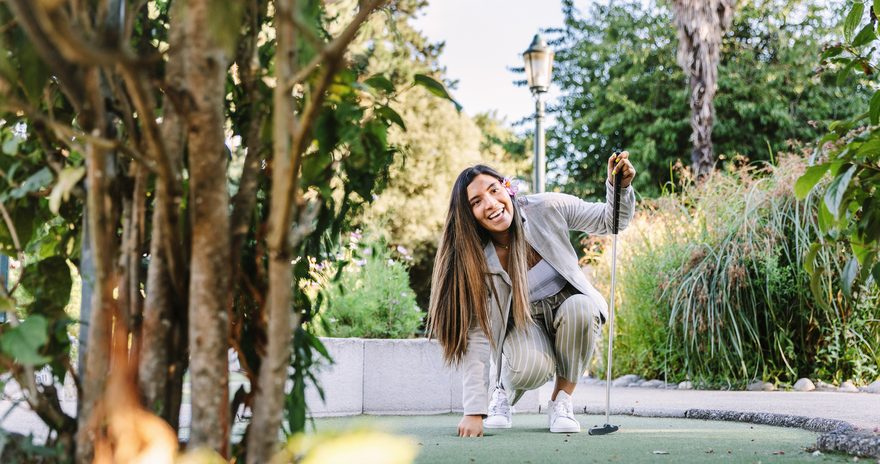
(483, 39)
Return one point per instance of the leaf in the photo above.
(852, 20)
(877, 8)
(866, 35)
(875, 107)
(34, 183)
(435, 88)
(876, 274)
(67, 180)
(860, 251)
(10, 147)
(850, 271)
(844, 73)
(837, 189)
(831, 52)
(24, 341)
(389, 114)
(810, 258)
(380, 82)
(825, 218)
(7, 304)
(49, 282)
(869, 148)
(809, 179)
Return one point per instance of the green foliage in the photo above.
(712, 287)
(366, 292)
(622, 87)
(23, 342)
(439, 141)
(849, 210)
(347, 154)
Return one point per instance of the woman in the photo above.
(507, 287)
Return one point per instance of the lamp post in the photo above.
(539, 67)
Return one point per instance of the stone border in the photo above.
(835, 435)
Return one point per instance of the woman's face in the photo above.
(490, 203)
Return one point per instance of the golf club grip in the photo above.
(618, 178)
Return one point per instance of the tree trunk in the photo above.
(701, 25)
(100, 171)
(205, 74)
(164, 359)
(269, 396)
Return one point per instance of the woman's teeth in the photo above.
(497, 213)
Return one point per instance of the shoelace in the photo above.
(499, 405)
(563, 408)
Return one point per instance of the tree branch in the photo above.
(65, 71)
(336, 48)
(333, 54)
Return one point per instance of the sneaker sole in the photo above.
(565, 429)
(507, 426)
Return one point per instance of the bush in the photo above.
(713, 288)
(366, 292)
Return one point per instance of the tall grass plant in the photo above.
(713, 287)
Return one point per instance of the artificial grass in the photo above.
(639, 439)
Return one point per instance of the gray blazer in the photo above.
(548, 219)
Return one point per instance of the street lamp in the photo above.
(539, 68)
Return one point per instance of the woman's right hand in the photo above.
(470, 426)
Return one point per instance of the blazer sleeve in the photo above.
(475, 373)
(596, 218)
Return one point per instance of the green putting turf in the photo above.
(639, 439)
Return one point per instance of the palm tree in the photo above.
(701, 23)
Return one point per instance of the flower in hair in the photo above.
(511, 185)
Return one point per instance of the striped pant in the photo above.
(563, 348)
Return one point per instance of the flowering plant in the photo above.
(511, 186)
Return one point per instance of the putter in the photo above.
(608, 428)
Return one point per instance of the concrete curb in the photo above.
(836, 435)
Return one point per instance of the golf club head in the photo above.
(603, 430)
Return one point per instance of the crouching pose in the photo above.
(507, 288)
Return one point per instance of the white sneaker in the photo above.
(499, 411)
(562, 415)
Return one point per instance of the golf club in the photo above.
(608, 428)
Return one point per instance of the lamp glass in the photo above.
(539, 67)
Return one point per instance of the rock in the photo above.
(804, 385)
(686, 385)
(825, 387)
(624, 380)
(848, 387)
(654, 384)
(874, 387)
(761, 386)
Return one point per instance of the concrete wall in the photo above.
(390, 377)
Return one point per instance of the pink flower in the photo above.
(511, 186)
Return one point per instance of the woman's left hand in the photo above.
(620, 162)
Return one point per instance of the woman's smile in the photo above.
(491, 205)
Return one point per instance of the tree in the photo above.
(769, 94)
(119, 121)
(847, 206)
(701, 25)
(439, 141)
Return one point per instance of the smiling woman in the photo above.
(507, 287)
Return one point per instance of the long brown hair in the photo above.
(460, 284)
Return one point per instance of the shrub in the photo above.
(366, 292)
(713, 288)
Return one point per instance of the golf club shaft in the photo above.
(610, 330)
